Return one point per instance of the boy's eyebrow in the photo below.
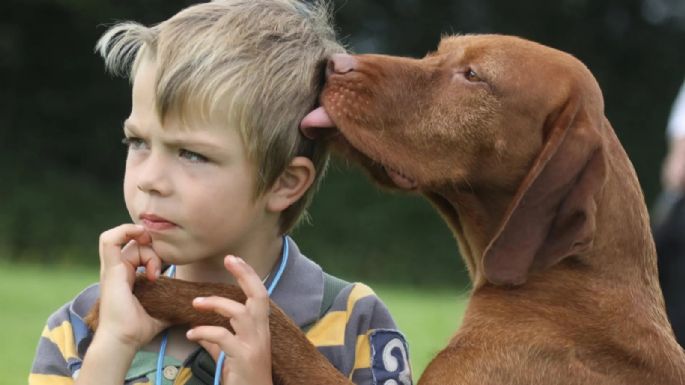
(128, 126)
(177, 142)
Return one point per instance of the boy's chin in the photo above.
(167, 252)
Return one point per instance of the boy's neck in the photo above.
(262, 256)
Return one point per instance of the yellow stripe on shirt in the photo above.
(358, 292)
(63, 337)
(49, 379)
(362, 355)
(330, 330)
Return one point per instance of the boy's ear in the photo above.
(295, 180)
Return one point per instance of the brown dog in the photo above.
(508, 139)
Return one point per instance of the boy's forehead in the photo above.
(186, 116)
(177, 128)
(143, 91)
(186, 113)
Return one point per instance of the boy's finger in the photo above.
(135, 255)
(211, 348)
(111, 241)
(249, 281)
(151, 261)
(242, 319)
(217, 335)
(222, 306)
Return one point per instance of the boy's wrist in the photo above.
(113, 342)
(107, 360)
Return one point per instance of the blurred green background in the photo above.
(61, 163)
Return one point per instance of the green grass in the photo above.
(427, 318)
(28, 294)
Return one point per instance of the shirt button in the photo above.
(170, 372)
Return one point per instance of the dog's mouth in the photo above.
(318, 123)
(402, 181)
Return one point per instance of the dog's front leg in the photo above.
(295, 361)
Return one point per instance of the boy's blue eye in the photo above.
(192, 156)
(134, 143)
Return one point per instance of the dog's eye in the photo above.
(471, 75)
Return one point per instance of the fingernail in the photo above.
(198, 299)
(189, 333)
(232, 259)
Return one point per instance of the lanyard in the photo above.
(220, 361)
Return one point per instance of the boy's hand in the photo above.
(248, 351)
(121, 317)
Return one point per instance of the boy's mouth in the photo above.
(154, 222)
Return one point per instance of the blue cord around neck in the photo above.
(220, 361)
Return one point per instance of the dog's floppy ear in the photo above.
(552, 215)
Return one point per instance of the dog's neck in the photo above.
(620, 269)
(474, 218)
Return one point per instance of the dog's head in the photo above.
(484, 114)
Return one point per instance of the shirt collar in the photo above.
(300, 290)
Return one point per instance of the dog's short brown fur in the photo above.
(508, 139)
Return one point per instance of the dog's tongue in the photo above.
(311, 125)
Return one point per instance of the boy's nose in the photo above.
(340, 63)
(151, 176)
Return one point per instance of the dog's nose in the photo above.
(340, 63)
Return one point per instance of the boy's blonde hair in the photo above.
(254, 64)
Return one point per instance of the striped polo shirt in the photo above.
(356, 334)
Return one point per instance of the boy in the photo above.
(216, 166)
